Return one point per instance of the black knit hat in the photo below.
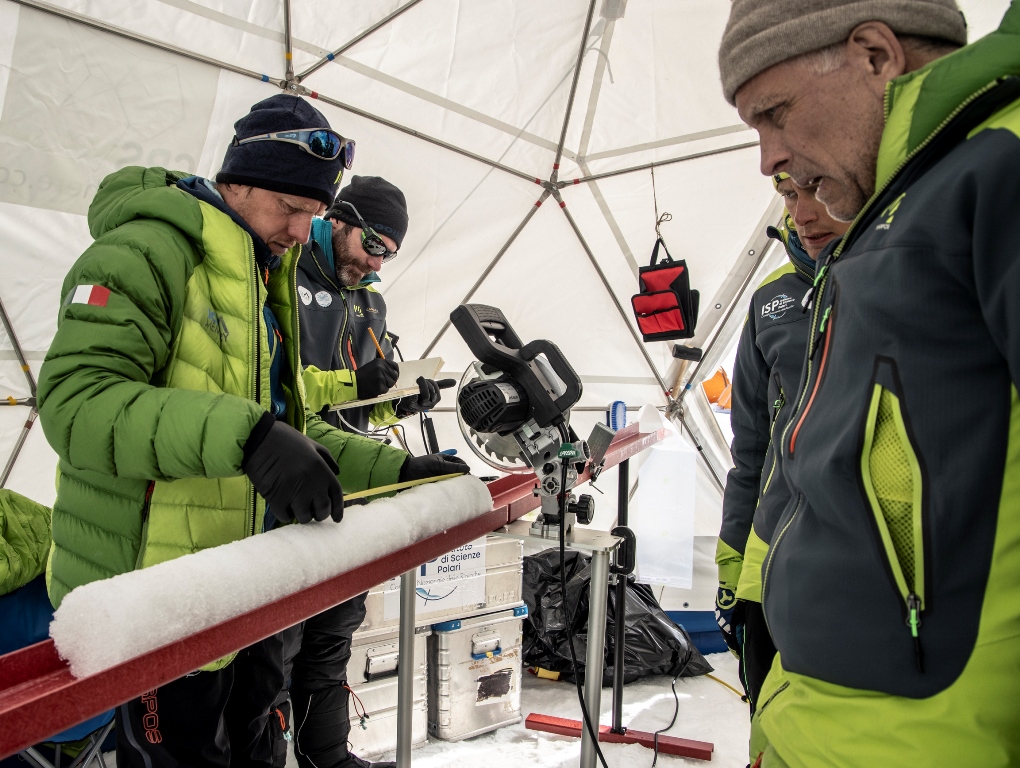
(380, 204)
(277, 165)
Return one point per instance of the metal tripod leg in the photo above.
(405, 669)
(598, 599)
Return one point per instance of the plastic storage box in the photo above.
(484, 575)
(474, 674)
(372, 676)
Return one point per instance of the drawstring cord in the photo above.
(363, 714)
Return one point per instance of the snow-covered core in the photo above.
(105, 623)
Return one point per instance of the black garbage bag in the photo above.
(654, 644)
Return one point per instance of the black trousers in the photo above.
(316, 665)
(757, 651)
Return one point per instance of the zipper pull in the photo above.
(914, 622)
(825, 319)
(808, 300)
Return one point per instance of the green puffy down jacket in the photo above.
(149, 392)
(24, 540)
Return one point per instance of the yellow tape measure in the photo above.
(397, 486)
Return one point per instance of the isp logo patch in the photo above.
(305, 294)
(323, 299)
(777, 307)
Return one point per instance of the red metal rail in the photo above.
(39, 697)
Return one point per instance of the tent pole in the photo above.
(294, 88)
(18, 351)
(32, 414)
(355, 40)
(656, 164)
(288, 45)
(119, 32)
(492, 265)
(573, 91)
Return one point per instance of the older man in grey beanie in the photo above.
(891, 586)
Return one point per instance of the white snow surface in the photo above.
(105, 623)
(708, 712)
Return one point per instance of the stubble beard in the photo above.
(347, 270)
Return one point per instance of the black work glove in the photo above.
(729, 615)
(432, 465)
(294, 474)
(375, 377)
(426, 399)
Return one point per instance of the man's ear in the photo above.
(874, 47)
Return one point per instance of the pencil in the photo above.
(376, 342)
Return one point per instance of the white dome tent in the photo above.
(537, 143)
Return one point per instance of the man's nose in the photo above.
(300, 227)
(774, 156)
(374, 262)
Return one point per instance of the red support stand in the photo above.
(668, 745)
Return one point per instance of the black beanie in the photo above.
(380, 204)
(277, 165)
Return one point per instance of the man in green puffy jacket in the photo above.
(890, 586)
(172, 391)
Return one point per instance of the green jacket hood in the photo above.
(917, 103)
(144, 193)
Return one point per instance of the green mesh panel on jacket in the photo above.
(893, 481)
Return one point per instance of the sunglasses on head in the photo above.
(370, 240)
(321, 143)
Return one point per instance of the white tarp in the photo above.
(462, 104)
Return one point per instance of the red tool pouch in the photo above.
(666, 308)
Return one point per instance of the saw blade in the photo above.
(501, 447)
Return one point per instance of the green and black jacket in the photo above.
(149, 394)
(770, 356)
(335, 342)
(899, 555)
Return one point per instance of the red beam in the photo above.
(39, 697)
(668, 745)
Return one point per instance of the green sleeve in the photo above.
(24, 540)
(730, 563)
(324, 388)
(364, 463)
(384, 414)
(98, 405)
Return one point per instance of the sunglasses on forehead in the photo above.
(370, 240)
(321, 143)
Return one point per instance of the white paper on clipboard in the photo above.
(406, 384)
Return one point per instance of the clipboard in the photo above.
(406, 384)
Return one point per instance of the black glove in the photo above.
(426, 399)
(729, 615)
(375, 377)
(294, 474)
(431, 465)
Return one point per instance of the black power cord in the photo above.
(565, 437)
(676, 707)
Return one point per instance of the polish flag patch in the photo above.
(96, 295)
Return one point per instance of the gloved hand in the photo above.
(426, 399)
(296, 476)
(431, 465)
(729, 615)
(375, 377)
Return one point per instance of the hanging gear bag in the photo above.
(666, 308)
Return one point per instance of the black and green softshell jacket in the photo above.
(897, 562)
(766, 372)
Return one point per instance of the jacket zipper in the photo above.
(777, 406)
(257, 368)
(824, 329)
(815, 293)
(299, 403)
(772, 554)
(145, 522)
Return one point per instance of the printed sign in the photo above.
(453, 580)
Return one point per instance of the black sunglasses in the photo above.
(321, 143)
(370, 240)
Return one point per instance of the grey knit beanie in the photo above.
(763, 33)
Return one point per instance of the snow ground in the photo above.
(708, 712)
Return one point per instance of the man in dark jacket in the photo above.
(340, 311)
(891, 583)
(770, 356)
